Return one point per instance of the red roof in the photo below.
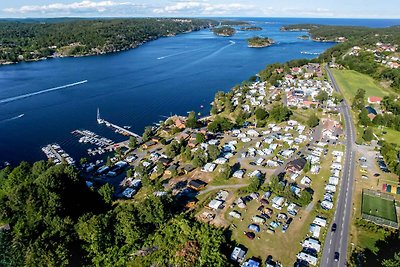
(374, 99)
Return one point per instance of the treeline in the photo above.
(32, 40)
(56, 220)
(361, 35)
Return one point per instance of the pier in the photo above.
(57, 155)
(118, 129)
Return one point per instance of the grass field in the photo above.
(379, 207)
(350, 81)
(391, 136)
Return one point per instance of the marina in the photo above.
(57, 155)
(88, 137)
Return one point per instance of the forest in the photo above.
(35, 39)
(56, 220)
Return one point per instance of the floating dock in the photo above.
(57, 155)
(118, 129)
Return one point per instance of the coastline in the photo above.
(133, 46)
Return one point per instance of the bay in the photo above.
(42, 102)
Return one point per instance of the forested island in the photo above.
(251, 28)
(258, 42)
(224, 31)
(304, 37)
(34, 39)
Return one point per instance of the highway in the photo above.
(338, 241)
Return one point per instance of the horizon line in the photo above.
(282, 17)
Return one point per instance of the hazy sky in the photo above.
(200, 8)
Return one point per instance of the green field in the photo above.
(379, 207)
(350, 81)
(391, 136)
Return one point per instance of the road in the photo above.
(338, 241)
(222, 187)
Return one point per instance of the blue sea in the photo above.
(42, 102)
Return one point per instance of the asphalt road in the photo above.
(338, 241)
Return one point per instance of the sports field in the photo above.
(379, 207)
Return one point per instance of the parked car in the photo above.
(250, 235)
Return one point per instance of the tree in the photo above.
(200, 138)
(199, 158)
(173, 149)
(337, 97)
(394, 262)
(261, 114)
(363, 118)
(106, 192)
(83, 161)
(160, 168)
(368, 134)
(225, 172)
(254, 185)
(322, 96)
(132, 142)
(307, 167)
(359, 100)
(109, 162)
(305, 198)
(313, 121)
(280, 113)
(191, 121)
(213, 152)
(186, 154)
(147, 133)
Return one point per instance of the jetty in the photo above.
(118, 129)
(57, 155)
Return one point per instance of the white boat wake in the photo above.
(15, 98)
(310, 53)
(180, 53)
(13, 118)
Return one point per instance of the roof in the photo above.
(374, 99)
(197, 183)
(297, 164)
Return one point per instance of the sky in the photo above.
(201, 8)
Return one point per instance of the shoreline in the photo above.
(102, 53)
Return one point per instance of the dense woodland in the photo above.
(32, 40)
(56, 220)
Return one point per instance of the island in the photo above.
(251, 28)
(224, 31)
(258, 42)
(303, 37)
(37, 39)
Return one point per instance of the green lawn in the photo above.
(379, 207)
(350, 81)
(391, 136)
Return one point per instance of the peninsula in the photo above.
(259, 42)
(32, 40)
